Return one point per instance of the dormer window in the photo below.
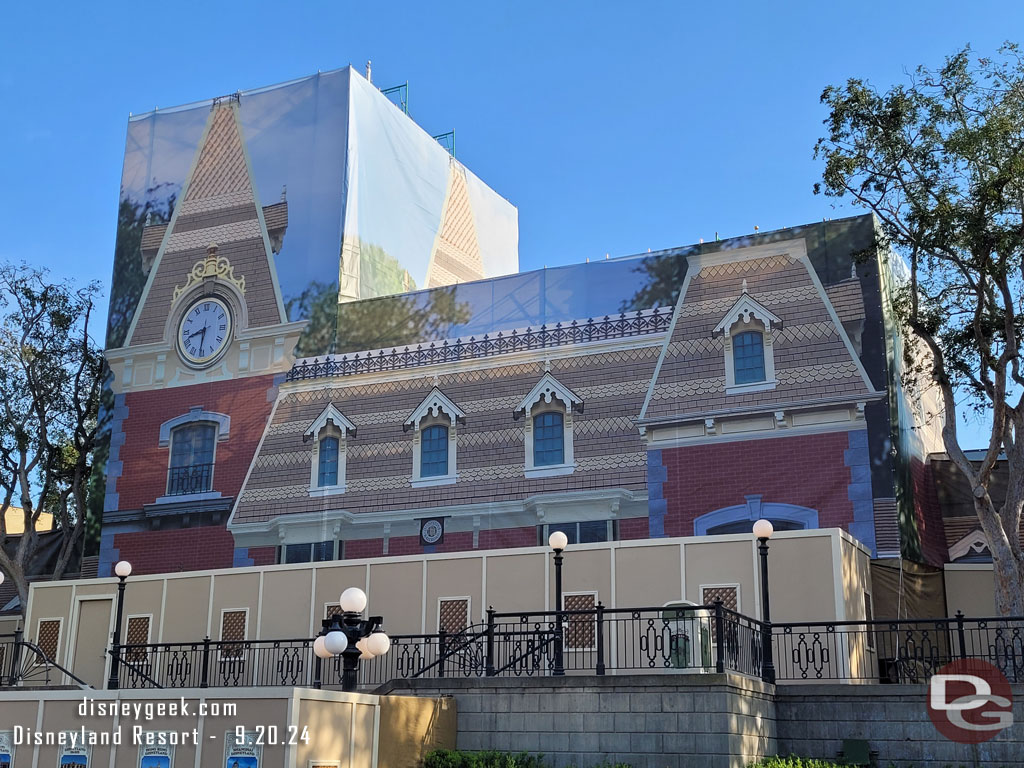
(548, 410)
(749, 359)
(548, 439)
(329, 433)
(435, 424)
(327, 462)
(434, 451)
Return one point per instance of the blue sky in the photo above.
(614, 127)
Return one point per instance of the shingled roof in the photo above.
(218, 206)
(813, 357)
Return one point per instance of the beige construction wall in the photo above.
(816, 575)
(970, 588)
(346, 730)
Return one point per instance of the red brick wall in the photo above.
(807, 470)
(508, 538)
(360, 548)
(144, 477)
(170, 551)
(634, 528)
(928, 514)
(263, 555)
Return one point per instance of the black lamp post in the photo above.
(348, 635)
(558, 541)
(122, 570)
(763, 531)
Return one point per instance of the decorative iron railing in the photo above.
(637, 323)
(24, 663)
(195, 478)
(895, 650)
(695, 639)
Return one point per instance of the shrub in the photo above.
(793, 762)
(446, 758)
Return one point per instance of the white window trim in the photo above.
(550, 395)
(744, 313)
(196, 413)
(436, 409)
(149, 629)
(335, 424)
(469, 610)
(568, 620)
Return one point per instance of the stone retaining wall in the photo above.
(648, 721)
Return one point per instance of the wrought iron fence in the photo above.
(210, 663)
(601, 641)
(24, 663)
(895, 650)
(619, 326)
(195, 478)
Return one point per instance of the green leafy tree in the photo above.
(940, 161)
(50, 378)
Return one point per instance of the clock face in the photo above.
(432, 531)
(205, 331)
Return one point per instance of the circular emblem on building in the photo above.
(204, 332)
(431, 531)
(970, 701)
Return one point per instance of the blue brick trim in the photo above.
(114, 465)
(109, 554)
(657, 505)
(858, 459)
(241, 558)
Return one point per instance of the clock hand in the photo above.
(193, 335)
(202, 340)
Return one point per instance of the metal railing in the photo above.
(24, 663)
(600, 641)
(195, 478)
(895, 650)
(619, 326)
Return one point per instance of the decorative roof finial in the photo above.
(284, 192)
(744, 289)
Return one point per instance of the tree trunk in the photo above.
(1008, 576)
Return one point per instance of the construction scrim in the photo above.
(355, 200)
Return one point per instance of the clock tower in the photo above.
(196, 377)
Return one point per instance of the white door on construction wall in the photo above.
(93, 624)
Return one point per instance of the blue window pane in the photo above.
(748, 357)
(328, 462)
(434, 455)
(594, 530)
(296, 553)
(323, 550)
(548, 440)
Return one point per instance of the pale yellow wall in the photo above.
(660, 574)
(237, 591)
(515, 581)
(583, 570)
(183, 617)
(8, 624)
(287, 596)
(454, 578)
(396, 593)
(970, 588)
(412, 727)
(797, 592)
(266, 711)
(724, 562)
(815, 575)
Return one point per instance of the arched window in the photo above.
(327, 462)
(434, 451)
(748, 357)
(191, 459)
(548, 439)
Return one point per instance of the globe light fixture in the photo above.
(763, 529)
(335, 642)
(122, 570)
(320, 648)
(2, 577)
(349, 635)
(558, 541)
(353, 600)
(378, 643)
